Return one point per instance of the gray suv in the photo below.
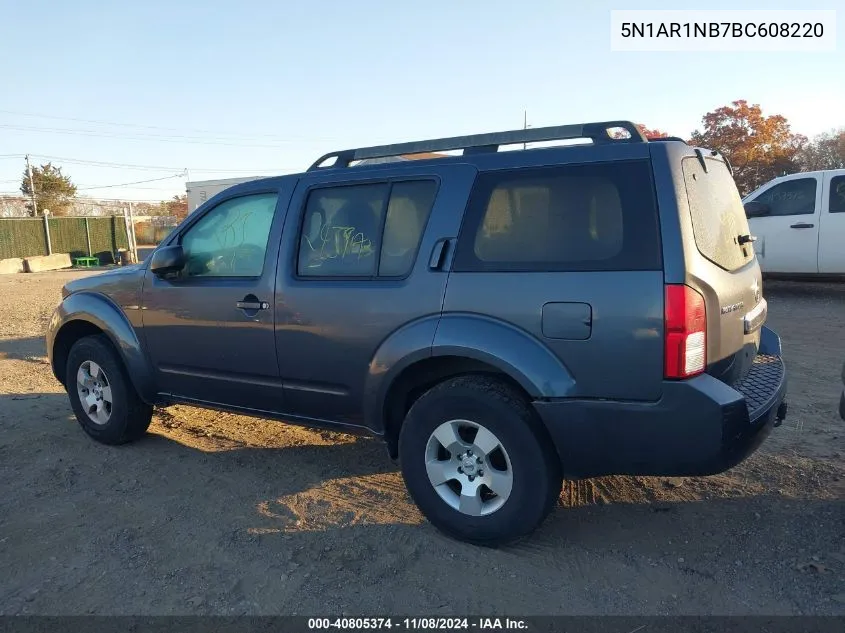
(501, 319)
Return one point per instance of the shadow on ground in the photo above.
(190, 520)
(31, 348)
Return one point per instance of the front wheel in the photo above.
(475, 461)
(105, 402)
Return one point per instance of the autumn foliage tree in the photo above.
(758, 147)
(178, 206)
(54, 191)
(826, 151)
(645, 132)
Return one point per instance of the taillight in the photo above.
(686, 332)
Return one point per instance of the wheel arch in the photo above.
(430, 350)
(87, 314)
(423, 375)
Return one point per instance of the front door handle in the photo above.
(801, 225)
(251, 303)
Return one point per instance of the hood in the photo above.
(119, 281)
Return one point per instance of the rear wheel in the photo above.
(475, 461)
(101, 394)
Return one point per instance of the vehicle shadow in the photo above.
(32, 349)
(223, 517)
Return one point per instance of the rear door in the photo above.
(788, 237)
(832, 224)
(570, 254)
(721, 265)
(354, 269)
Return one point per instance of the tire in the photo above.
(479, 404)
(126, 417)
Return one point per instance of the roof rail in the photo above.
(657, 139)
(483, 143)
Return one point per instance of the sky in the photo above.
(256, 87)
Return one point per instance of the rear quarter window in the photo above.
(580, 217)
(718, 217)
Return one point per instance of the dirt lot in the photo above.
(216, 513)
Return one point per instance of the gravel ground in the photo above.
(221, 514)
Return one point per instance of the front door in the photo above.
(209, 331)
(788, 237)
(359, 269)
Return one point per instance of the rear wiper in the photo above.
(746, 239)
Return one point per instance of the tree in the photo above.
(178, 206)
(826, 151)
(53, 190)
(758, 147)
(644, 130)
(651, 133)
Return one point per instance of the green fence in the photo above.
(98, 236)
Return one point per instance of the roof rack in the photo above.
(657, 139)
(483, 143)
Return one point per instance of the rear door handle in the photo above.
(801, 225)
(438, 254)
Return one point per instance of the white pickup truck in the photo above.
(799, 223)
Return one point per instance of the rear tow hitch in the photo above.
(780, 416)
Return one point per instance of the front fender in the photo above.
(511, 350)
(100, 311)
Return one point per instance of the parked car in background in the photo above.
(799, 223)
(502, 319)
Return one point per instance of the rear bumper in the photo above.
(700, 426)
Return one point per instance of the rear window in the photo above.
(597, 216)
(837, 194)
(718, 217)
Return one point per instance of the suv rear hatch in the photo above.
(722, 268)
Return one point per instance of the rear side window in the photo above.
(718, 217)
(370, 230)
(837, 194)
(597, 216)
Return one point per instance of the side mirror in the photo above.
(756, 209)
(166, 260)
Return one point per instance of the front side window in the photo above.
(231, 239)
(793, 197)
(364, 230)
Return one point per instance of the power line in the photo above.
(149, 127)
(137, 182)
(11, 195)
(153, 137)
(97, 163)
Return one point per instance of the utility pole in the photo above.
(524, 124)
(31, 187)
